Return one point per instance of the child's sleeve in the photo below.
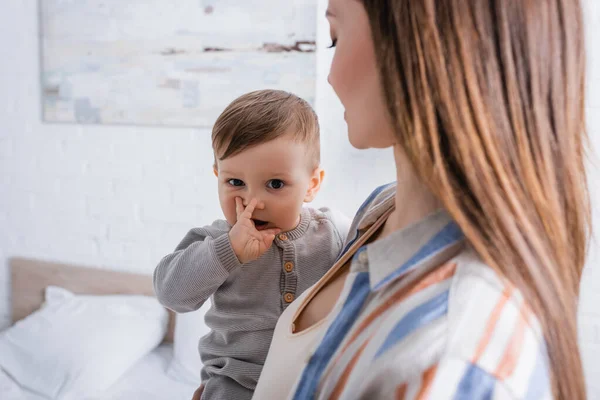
(186, 278)
(341, 223)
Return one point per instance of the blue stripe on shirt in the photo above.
(476, 384)
(418, 317)
(335, 334)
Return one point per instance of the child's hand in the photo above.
(249, 243)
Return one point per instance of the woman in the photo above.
(462, 280)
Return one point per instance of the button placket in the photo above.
(289, 273)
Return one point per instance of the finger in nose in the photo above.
(260, 205)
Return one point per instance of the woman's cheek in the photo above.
(342, 67)
(334, 77)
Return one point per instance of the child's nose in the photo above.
(260, 205)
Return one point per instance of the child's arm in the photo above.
(184, 279)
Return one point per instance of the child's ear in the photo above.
(314, 185)
(215, 171)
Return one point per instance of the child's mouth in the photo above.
(260, 225)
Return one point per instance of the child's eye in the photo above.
(275, 184)
(235, 182)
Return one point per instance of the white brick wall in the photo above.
(121, 196)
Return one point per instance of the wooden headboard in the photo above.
(31, 277)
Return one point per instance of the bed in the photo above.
(147, 379)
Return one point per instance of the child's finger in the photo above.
(239, 207)
(268, 238)
(250, 209)
(271, 231)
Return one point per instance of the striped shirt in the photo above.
(422, 317)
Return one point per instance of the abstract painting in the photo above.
(179, 63)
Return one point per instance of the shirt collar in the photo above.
(380, 201)
(423, 245)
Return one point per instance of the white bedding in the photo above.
(146, 380)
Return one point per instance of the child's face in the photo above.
(278, 174)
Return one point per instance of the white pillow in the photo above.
(189, 328)
(76, 347)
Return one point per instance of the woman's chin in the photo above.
(358, 140)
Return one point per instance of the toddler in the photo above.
(269, 248)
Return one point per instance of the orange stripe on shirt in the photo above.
(438, 275)
(401, 392)
(491, 324)
(513, 350)
(341, 383)
(427, 380)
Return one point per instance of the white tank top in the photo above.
(290, 351)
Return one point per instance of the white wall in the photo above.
(120, 197)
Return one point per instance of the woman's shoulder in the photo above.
(496, 296)
(492, 329)
(378, 202)
(381, 195)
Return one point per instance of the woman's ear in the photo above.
(314, 185)
(215, 171)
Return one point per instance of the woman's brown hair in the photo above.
(487, 100)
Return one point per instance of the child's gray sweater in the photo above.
(247, 299)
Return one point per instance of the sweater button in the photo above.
(288, 297)
(288, 266)
(283, 236)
